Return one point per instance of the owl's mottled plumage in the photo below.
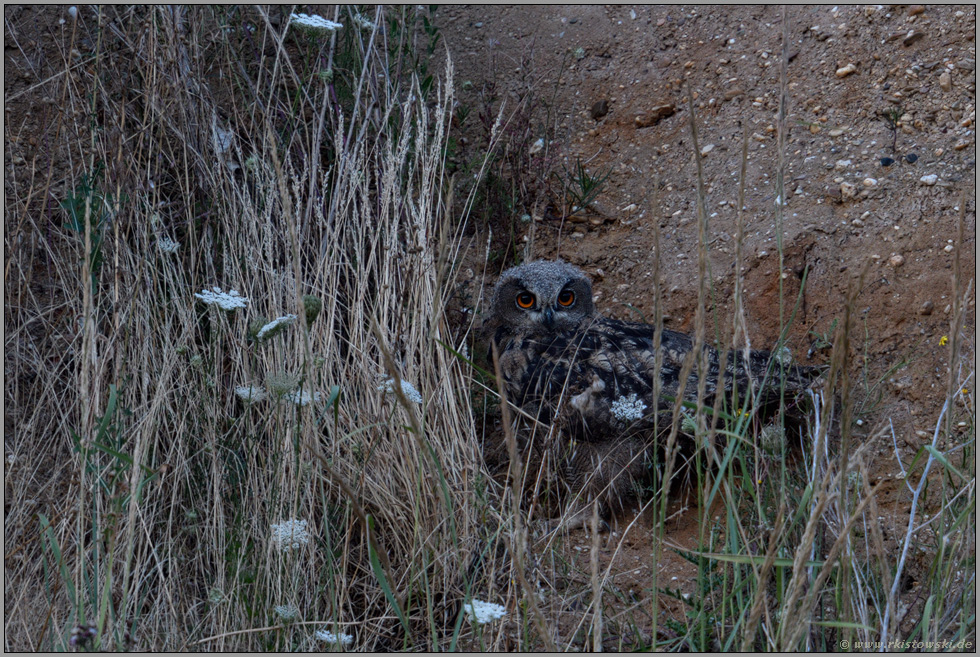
(592, 376)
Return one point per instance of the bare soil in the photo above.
(608, 72)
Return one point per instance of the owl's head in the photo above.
(545, 294)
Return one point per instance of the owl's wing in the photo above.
(609, 369)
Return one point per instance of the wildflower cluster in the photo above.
(301, 397)
(329, 637)
(229, 300)
(363, 22)
(784, 356)
(290, 535)
(251, 394)
(314, 24)
(167, 245)
(627, 409)
(275, 327)
(286, 612)
(411, 392)
(483, 612)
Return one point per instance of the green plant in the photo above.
(582, 186)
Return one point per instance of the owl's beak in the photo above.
(549, 317)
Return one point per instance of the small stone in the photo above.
(836, 132)
(869, 182)
(945, 81)
(896, 260)
(911, 38)
(960, 145)
(929, 179)
(927, 308)
(734, 93)
(857, 223)
(655, 116)
(912, 157)
(948, 248)
(844, 71)
(707, 149)
(599, 109)
(887, 161)
(841, 165)
(915, 10)
(847, 191)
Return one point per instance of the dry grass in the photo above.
(141, 490)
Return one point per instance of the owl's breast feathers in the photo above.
(600, 374)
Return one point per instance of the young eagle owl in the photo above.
(592, 377)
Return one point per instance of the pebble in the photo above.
(844, 71)
(896, 260)
(948, 248)
(945, 81)
(836, 132)
(929, 179)
(869, 182)
(847, 191)
(887, 161)
(599, 109)
(655, 116)
(912, 157)
(911, 38)
(707, 149)
(960, 145)
(927, 308)
(916, 9)
(840, 165)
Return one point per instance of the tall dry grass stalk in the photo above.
(226, 131)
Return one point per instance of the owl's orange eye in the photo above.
(566, 298)
(525, 300)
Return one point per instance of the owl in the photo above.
(591, 378)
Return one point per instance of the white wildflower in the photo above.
(167, 245)
(628, 408)
(301, 397)
(290, 535)
(784, 356)
(329, 637)
(484, 612)
(363, 22)
(772, 438)
(286, 612)
(275, 326)
(536, 147)
(226, 300)
(251, 394)
(11, 459)
(411, 392)
(223, 139)
(314, 23)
